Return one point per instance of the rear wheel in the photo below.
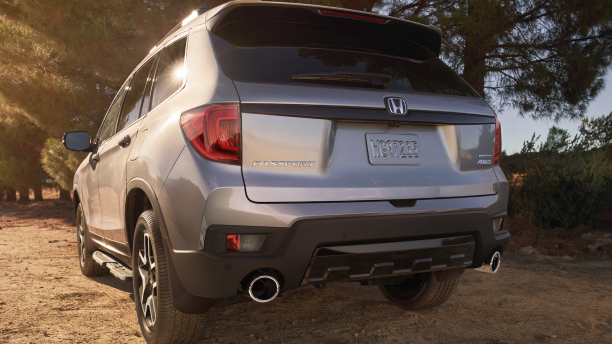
(160, 322)
(89, 267)
(419, 291)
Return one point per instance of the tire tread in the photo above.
(90, 268)
(434, 294)
(173, 326)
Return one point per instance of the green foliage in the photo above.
(565, 190)
(20, 140)
(60, 163)
(560, 183)
(61, 63)
(545, 58)
(597, 132)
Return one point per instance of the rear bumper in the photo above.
(214, 273)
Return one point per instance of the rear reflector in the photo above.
(244, 242)
(498, 224)
(214, 132)
(352, 16)
(498, 143)
(232, 243)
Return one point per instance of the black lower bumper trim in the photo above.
(357, 262)
(288, 251)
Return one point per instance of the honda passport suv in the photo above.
(264, 146)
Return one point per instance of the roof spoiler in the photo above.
(428, 36)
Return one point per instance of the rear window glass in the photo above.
(295, 65)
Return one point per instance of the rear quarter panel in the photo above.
(165, 141)
(179, 177)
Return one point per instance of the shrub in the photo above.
(564, 181)
(565, 190)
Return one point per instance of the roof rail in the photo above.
(201, 10)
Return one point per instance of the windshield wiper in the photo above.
(348, 78)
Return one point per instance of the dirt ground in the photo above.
(534, 298)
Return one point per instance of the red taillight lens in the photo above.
(501, 224)
(214, 132)
(498, 143)
(352, 15)
(232, 243)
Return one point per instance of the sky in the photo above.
(516, 130)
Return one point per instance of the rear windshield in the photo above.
(294, 65)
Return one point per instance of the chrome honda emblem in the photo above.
(396, 105)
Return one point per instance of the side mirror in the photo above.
(77, 141)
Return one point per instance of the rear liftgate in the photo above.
(359, 262)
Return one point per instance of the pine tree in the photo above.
(61, 63)
(545, 58)
(20, 143)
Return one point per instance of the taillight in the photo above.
(352, 15)
(498, 143)
(214, 132)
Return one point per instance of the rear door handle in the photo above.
(95, 157)
(125, 141)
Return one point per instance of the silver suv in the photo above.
(263, 146)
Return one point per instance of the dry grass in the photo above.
(579, 242)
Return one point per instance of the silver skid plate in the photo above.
(359, 262)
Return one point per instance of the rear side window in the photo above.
(108, 126)
(171, 72)
(133, 100)
(146, 103)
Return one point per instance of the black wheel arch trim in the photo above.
(75, 191)
(182, 300)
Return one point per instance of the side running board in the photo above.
(116, 268)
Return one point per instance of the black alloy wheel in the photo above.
(160, 322)
(89, 267)
(147, 281)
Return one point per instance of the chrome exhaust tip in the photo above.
(492, 266)
(262, 288)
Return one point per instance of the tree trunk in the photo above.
(38, 194)
(24, 195)
(65, 195)
(11, 195)
(474, 54)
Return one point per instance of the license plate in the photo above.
(393, 149)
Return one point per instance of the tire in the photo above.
(89, 267)
(160, 322)
(419, 291)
